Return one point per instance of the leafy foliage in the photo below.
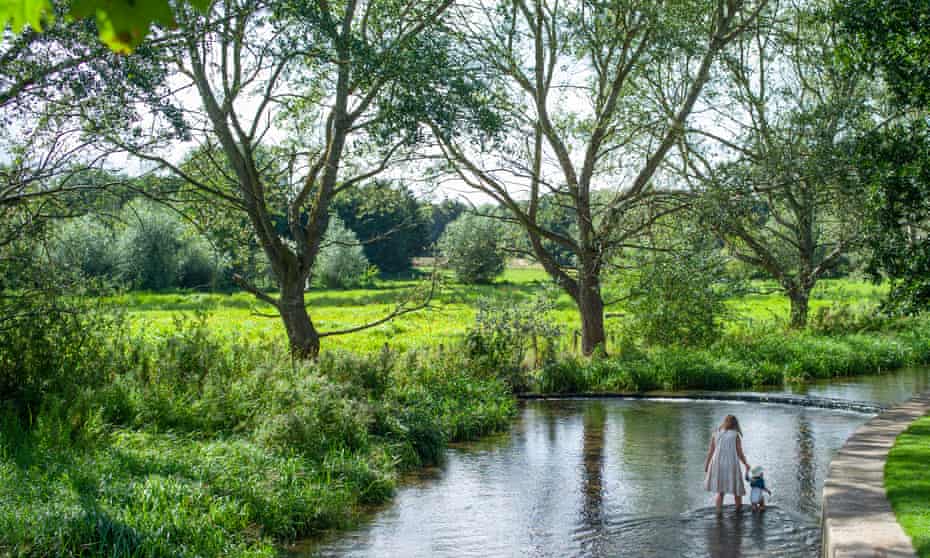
(473, 247)
(504, 334)
(892, 36)
(122, 24)
(676, 291)
(341, 263)
(895, 163)
(388, 221)
(220, 445)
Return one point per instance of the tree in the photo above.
(342, 86)
(51, 82)
(439, 216)
(777, 174)
(894, 163)
(594, 96)
(342, 263)
(388, 222)
(892, 36)
(472, 246)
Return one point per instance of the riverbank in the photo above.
(907, 483)
(192, 442)
(742, 361)
(857, 516)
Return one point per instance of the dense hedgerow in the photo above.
(188, 444)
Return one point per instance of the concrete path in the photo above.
(857, 519)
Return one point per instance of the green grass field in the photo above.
(908, 485)
(451, 313)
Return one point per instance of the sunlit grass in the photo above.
(907, 483)
(451, 312)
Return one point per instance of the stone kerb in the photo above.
(857, 518)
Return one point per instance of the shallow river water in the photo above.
(614, 477)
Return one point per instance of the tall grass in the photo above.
(190, 443)
(744, 360)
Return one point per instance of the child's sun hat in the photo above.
(757, 471)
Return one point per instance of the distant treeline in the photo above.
(154, 244)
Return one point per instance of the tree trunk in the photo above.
(301, 334)
(800, 300)
(591, 307)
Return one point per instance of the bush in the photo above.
(88, 247)
(54, 349)
(473, 248)
(677, 297)
(564, 376)
(197, 267)
(503, 335)
(341, 262)
(149, 249)
(305, 413)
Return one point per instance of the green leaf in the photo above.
(123, 24)
(20, 13)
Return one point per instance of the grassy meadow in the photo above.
(452, 310)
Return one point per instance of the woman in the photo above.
(721, 468)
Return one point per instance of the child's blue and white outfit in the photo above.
(756, 487)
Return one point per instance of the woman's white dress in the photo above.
(723, 473)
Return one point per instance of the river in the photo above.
(617, 477)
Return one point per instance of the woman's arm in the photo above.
(739, 452)
(710, 452)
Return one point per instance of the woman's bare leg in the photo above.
(719, 500)
(739, 502)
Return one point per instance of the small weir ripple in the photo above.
(599, 477)
(870, 407)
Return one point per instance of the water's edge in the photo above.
(856, 516)
(867, 407)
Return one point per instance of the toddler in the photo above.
(757, 487)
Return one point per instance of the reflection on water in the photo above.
(887, 389)
(615, 478)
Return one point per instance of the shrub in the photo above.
(564, 376)
(54, 348)
(197, 267)
(306, 413)
(149, 249)
(677, 297)
(341, 262)
(473, 248)
(504, 334)
(87, 246)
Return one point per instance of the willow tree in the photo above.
(777, 170)
(595, 94)
(332, 90)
